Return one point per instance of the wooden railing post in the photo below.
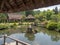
(16, 42)
(4, 39)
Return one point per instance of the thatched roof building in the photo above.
(30, 17)
(14, 16)
(21, 5)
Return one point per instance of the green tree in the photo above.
(54, 18)
(3, 17)
(29, 12)
(48, 14)
(37, 12)
(41, 16)
(55, 10)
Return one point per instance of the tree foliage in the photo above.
(30, 12)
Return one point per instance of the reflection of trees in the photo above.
(9, 31)
(30, 36)
(55, 38)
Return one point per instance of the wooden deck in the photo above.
(17, 42)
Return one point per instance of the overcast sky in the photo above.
(50, 7)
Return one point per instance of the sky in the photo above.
(46, 8)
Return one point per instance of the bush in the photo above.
(58, 26)
(3, 27)
(14, 25)
(52, 25)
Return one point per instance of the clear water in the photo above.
(43, 37)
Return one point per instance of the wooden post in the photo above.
(16, 42)
(4, 39)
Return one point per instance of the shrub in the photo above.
(52, 25)
(58, 26)
(13, 25)
(3, 27)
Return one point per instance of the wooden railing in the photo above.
(17, 41)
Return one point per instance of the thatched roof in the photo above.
(30, 17)
(15, 16)
(21, 5)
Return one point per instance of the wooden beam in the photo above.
(22, 5)
(2, 4)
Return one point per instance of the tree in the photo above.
(37, 12)
(48, 14)
(30, 12)
(3, 17)
(54, 18)
(55, 10)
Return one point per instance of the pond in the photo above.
(43, 37)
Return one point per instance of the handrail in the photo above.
(17, 41)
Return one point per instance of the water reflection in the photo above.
(55, 36)
(30, 36)
(42, 37)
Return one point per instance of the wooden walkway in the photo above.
(17, 42)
